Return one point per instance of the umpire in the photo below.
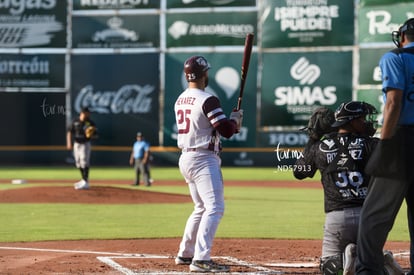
(392, 162)
(80, 132)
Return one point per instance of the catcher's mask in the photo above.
(349, 111)
(194, 68)
(407, 27)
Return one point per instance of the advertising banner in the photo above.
(369, 71)
(281, 140)
(32, 70)
(224, 82)
(32, 119)
(209, 29)
(115, 4)
(121, 92)
(307, 23)
(376, 23)
(116, 31)
(209, 3)
(27, 24)
(363, 3)
(295, 84)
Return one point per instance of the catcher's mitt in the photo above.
(90, 131)
(320, 123)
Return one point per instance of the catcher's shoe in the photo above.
(208, 266)
(390, 265)
(183, 260)
(349, 259)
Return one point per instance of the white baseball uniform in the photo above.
(201, 122)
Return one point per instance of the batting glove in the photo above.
(237, 116)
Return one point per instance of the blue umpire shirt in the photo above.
(398, 72)
(140, 147)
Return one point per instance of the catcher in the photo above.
(340, 144)
(80, 132)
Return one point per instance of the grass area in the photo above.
(251, 212)
(125, 173)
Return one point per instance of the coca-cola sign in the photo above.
(128, 99)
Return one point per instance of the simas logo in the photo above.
(301, 99)
(129, 99)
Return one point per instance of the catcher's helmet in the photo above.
(407, 27)
(351, 110)
(194, 67)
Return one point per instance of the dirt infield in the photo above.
(152, 256)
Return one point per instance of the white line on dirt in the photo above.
(109, 256)
(116, 266)
(66, 251)
(110, 262)
(244, 263)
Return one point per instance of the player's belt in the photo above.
(200, 150)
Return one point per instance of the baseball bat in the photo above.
(248, 44)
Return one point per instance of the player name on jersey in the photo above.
(185, 100)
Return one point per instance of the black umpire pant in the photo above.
(386, 194)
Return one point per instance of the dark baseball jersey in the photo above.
(341, 159)
(78, 129)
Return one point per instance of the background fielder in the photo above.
(80, 132)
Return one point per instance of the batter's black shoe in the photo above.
(208, 266)
(183, 260)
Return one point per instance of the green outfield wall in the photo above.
(123, 60)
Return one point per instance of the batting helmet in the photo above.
(194, 67)
(351, 110)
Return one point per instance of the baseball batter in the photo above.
(81, 131)
(201, 121)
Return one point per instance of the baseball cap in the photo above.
(139, 134)
(85, 110)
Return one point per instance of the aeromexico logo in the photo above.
(305, 94)
(182, 28)
(129, 99)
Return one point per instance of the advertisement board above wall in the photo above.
(209, 3)
(295, 84)
(121, 92)
(307, 23)
(126, 31)
(376, 23)
(32, 70)
(209, 29)
(33, 25)
(115, 4)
